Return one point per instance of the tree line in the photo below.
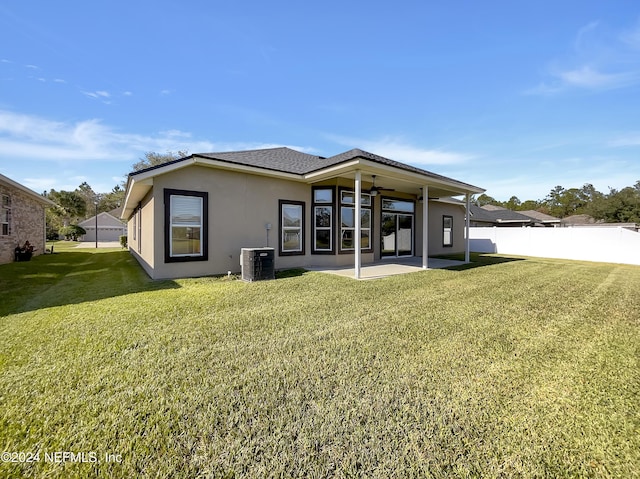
(83, 203)
(616, 206)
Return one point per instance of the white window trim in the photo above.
(5, 213)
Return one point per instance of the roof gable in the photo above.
(286, 163)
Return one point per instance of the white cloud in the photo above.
(100, 94)
(399, 150)
(599, 62)
(588, 77)
(26, 137)
(628, 139)
(632, 37)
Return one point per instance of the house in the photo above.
(491, 215)
(22, 218)
(110, 227)
(192, 216)
(576, 221)
(542, 219)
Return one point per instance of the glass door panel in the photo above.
(388, 234)
(404, 235)
(396, 233)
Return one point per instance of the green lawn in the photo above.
(525, 368)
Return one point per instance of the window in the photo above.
(186, 228)
(447, 230)
(291, 227)
(135, 224)
(398, 205)
(348, 224)
(323, 220)
(5, 215)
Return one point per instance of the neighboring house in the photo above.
(490, 215)
(542, 219)
(587, 220)
(22, 218)
(192, 216)
(110, 227)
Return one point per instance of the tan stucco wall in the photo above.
(240, 206)
(141, 242)
(436, 211)
(27, 223)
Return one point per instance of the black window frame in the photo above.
(334, 214)
(168, 193)
(339, 206)
(445, 245)
(302, 251)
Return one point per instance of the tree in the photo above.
(71, 205)
(561, 203)
(485, 199)
(513, 203)
(622, 206)
(112, 200)
(72, 232)
(152, 158)
(529, 205)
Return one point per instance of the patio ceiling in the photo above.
(394, 178)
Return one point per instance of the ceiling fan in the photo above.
(376, 189)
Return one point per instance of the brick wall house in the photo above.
(22, 218)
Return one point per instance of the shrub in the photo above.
(123, 241)
(72, 232)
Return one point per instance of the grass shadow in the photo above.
(290, 273)
(478, 260)
(72, 277)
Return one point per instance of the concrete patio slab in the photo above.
(391, 267)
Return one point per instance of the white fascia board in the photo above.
(332, 171)
(390, 172)
(135, 192)
(139, 184)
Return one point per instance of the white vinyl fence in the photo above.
(609, 245)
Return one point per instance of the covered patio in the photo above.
(388, 267)
(401, 197)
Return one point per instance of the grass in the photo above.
(514, 369)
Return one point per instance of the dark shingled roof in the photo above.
(497, 215)
(281, 159)
(286, 160)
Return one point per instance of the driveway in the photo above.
(101, 244)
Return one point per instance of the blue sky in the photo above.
(514, 97)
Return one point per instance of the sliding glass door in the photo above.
(396, 234)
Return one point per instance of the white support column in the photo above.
(425, 227)
(467, 241)
(358, 223)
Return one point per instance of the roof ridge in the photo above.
(250, 151)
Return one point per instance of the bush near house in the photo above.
(72, 232)
(515, 369)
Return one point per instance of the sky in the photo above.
(513, 97)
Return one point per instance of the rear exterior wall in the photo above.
(27, 223)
